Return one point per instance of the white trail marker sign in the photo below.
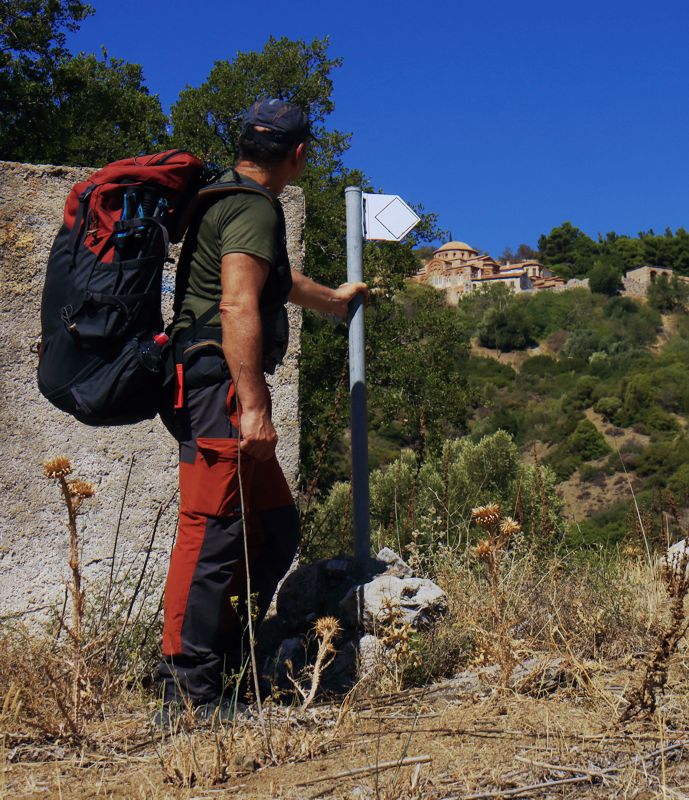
(387, 217)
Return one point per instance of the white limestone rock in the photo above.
(394, 564)
(419, 600)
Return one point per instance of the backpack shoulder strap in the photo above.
(205, 197)
(238, 183)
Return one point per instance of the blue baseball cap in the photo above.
(284, 122)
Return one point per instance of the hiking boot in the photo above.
(168, 717)
(220, 709)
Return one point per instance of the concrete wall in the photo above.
(33, 536)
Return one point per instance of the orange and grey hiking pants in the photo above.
(205, 612)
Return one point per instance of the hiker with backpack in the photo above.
(105, 360)
(230, 328)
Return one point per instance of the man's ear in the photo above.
(300, 152)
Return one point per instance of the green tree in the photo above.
(668, 293)
(604, 279)
(418, 349)
(65, 110)
(105, 112)
(623, 252)
(568, 250)
(209, 116)
(524, 252)
(506, 328)
(32, 47)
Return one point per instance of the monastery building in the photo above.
(457, 268)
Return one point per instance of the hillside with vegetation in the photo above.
(589, 388)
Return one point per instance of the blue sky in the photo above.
(505, 118)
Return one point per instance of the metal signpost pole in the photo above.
(357, 379)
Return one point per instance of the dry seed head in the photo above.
(509, 527)
(484, 548)
(57, 467)
(79, 488)
(326, 627)
(485, 516)
(632, 551)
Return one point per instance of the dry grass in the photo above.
(602, 628)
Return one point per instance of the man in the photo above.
(230, 327)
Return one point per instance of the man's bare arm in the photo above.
(243, 277)
(309, 294)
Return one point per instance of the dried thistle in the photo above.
(80, 489)
(73, 493)
(326, 630)
(490, 551)
(57, 467)
(642, 700)
(509, 527)
(486, 516)
(484, 549)
(632, 550)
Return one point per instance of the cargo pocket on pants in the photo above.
(210, 485)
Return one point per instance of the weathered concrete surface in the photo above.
(33, 537)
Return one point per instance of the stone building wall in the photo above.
(637, 281)
(33, 536)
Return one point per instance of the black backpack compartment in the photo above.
(93, 316)
(119, 391)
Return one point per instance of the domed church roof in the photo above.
(456, 246)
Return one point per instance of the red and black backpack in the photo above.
(102, 346)
(100, 311)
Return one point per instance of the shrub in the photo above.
(506, 328)
(679, 483)
(511, 420)
(638, 398)
(659, 420)
(489, 370)
(587, 442)
(542, 366)
(664, 457)
(604, 279)
(563, 463)
(583, 394)
(621, 307)
(589, 472)
(608, 407)
(668, 294)
(582, 344)
(606, 528)
(327, 531)
(431, 507)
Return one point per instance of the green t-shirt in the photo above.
(240, 222)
